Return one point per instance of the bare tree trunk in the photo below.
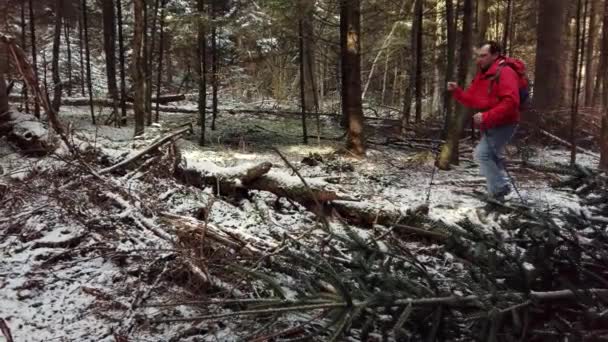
(350, 41)
(302, 80)
(56, 44)
(449, 152)
(80, 49)
(604, 72)
(450, 64)
(214, 64)
(88, 55)
(549, 74)
(161, 47)
(121, 57)
(508, 24)
(412, 81)
(604, 79)
(483, 19)
(109, 44)
(24, 45)
(201, 69)
(419, 48)
(149, 56)
(69, 51)
(384, 78)
(138, 66)
(576, 73)
(590, 51)
(308, 36)
(34, 59)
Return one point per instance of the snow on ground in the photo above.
(87, 297)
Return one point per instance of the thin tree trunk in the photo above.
(24, 46)
(449, 152)
(149, 56)
(604, 71)
(508, 24)
(590, 52)
(308, 34)
(419, 48)
(161, 43)
(69, 51)
(88, 55)
(604, 79)
(302, 80)
(450, 64)
(80, 49)
(56, 45)
(34, 56)
(139, 65)
(109, 44)
(201, 69)
(411, 79)
(350, 41)
(384, 78)
(578, 53)
(121, 57)
(214, 64)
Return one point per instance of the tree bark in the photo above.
(24, 44)
(34, 55)
(121, 57)
(201, 69)
(411, 85)
(419, 48)
(302, 80)
(214, 63)
(350, 42)
(81, 52)
(604, 143)
(450, 52)
(149, 42)
(508, 25)
(590, 52)
(605, 59)
(69, 51)
(139, 66)
(56, 45)
(449, 151)
(161, 47)
(88, 55)
(109, 44)
(550, 73)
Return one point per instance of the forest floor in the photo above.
(82, 260)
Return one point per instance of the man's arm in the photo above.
(466, 98)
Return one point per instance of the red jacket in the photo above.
(496, 98)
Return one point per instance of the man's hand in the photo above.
(452, 86)
(477, 118)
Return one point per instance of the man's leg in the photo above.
(490, 154)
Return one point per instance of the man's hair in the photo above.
(495, 47)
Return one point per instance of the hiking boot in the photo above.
(502, 193)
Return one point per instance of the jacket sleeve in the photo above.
(508, 100)
(467, 97)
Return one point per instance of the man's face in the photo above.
(484, 57)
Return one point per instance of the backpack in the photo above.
(519, 67)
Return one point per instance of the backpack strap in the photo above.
(496, 77)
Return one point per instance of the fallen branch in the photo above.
(567, 144)
(146, 150)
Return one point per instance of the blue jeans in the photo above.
(490, 155)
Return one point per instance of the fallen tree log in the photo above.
(100, 101)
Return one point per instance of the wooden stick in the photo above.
(146, 150)
(565, 143)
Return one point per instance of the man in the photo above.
(494, 93)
